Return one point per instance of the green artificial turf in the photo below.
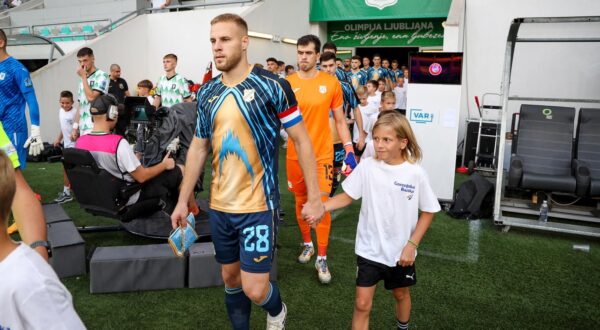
(470, 276)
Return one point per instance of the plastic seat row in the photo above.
(547, 158)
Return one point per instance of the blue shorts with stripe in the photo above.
(247, 237)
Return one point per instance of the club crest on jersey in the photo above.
(323, 89)
(2, 75)
(380, 4)
(248, 95)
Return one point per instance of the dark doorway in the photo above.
(391, 53)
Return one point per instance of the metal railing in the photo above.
(109, 24)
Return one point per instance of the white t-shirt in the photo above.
(31, 296)
(400, 93)
(66, 126)
(375, 100)
(392, 196)
(365, 112)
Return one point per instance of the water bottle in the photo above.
(544, 212)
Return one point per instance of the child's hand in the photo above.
(407, 258)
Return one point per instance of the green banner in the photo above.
(347, 10)
(414, 33)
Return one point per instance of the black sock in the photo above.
(401, 325)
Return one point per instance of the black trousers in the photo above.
(164, 186)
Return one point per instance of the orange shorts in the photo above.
(296, 182)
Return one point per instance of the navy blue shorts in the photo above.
(247, 237)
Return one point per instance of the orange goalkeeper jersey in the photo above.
(316, 97)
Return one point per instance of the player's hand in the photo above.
(360, 145)
(74, 134)
(409, 253)
(349, 164)
(312, 212)
(81, 71)
(169, 162)
(34, 142)
(179, 215)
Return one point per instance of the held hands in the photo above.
(169, 165)
(409, 253)
(179, 216)
(34, 142)
(312, 212)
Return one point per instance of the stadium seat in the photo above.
(588, 152)
(45, 32)
(87, 29)
(66, 32)
(543, 150)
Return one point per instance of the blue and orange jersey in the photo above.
(242, 123)
(16, 88)
(357, 79)
(369, 72)
(350, 101)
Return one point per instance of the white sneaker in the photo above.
(323, 271)
(307, 252)
(277, 322)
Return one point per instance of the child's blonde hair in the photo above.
(398, 122)
(361, 90)
(8, 184)
(388, 95)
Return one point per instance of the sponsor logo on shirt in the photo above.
(296, 90)
(28, 82)
(173, 86)
(2, 75)
(323, 89)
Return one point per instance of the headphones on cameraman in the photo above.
(113, 110)
(112, 113)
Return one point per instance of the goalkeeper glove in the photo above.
(349, 161)
(34, 142)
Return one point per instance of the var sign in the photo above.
(420, 117)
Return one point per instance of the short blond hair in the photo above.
(9, 186)
(388, 95)
(232, 18)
